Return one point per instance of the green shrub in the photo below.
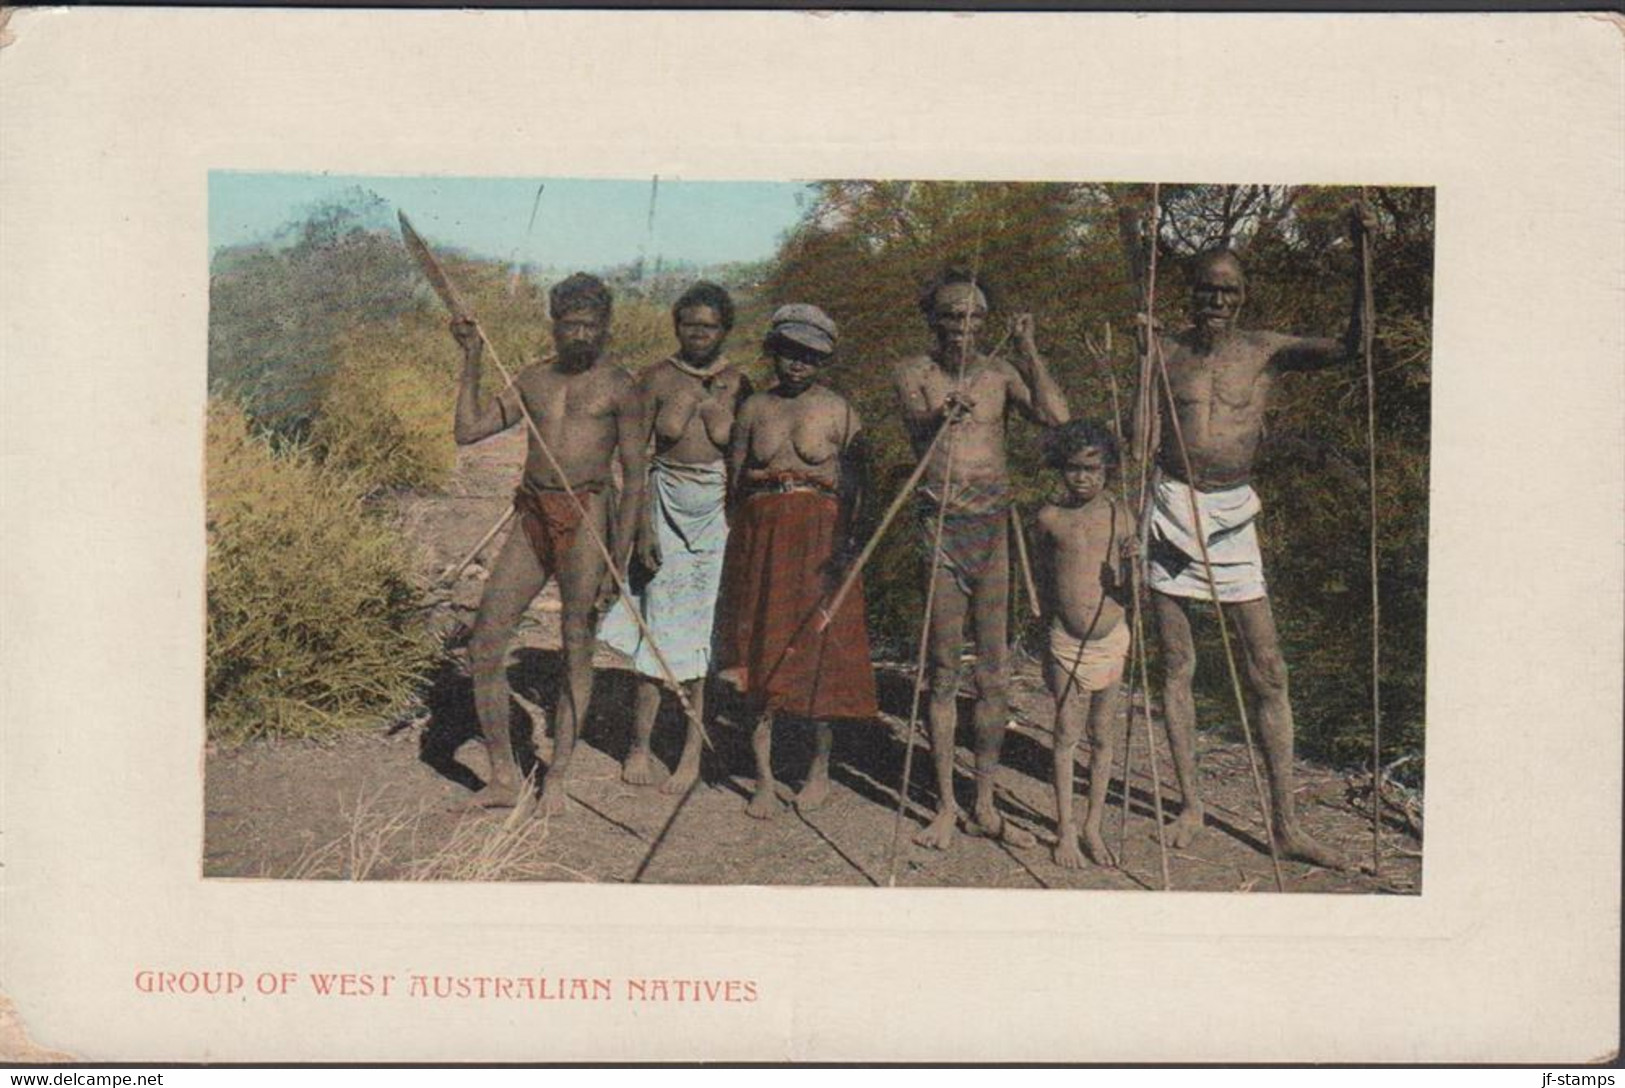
(386, 415)
(312, 616)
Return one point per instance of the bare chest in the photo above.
(566, 399)
(1084, 539)
(791, 432)
(929, 387)
(682, 404)
(1234, 380)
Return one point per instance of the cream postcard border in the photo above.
(112, 120)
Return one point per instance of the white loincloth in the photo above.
(1175, 557)
(1095, 664)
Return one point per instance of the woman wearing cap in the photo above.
(796, 478)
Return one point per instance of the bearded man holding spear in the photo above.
(581, 411)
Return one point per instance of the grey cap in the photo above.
(805, 325)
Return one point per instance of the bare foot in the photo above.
(813, 794)
(1066, 853)
(638, 770)
(552, 802)
(1096, 848)
(991, 825)
(682, 778)
(1298, 846)
(939, 835)
(1186, 826)
(765, 803)
(495, 794)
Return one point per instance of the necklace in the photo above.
(705, 375)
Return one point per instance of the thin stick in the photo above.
(827, 612)
(1224, 627)
(930, 605)
(1368, 331)
(919, 685)
(1026, 563)
(1137, 615)
(1143, 423)
(448, 294)
(451, 574)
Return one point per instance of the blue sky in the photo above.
(580, 223)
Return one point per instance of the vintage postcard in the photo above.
(816, 537)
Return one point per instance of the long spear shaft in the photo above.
(448, 294)
(1026, 562)
(827, 612)
(451, 574)
(1368, 332)
(1136, 634)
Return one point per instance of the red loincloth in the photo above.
(773, 584)
(550, 519)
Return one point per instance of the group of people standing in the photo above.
(733, 550)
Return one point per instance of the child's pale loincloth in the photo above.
(550, 518)
(679, 602)
(1093, 664)
(973, 529)
(1175, 553)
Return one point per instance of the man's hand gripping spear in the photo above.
(460, 312)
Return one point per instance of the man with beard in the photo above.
(587, 410)
(967, 484)
(689, 402)
(1204, 452)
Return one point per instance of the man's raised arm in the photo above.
(1314, 353)
(1039, 397)
(478, 416)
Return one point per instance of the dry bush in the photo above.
(313, 620)
(386, 416)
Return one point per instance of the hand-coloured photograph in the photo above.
(844, 533)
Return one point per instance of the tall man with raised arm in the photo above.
(587, 410)
(974, 394)
(1205, 449)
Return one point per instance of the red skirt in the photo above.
(768, 640)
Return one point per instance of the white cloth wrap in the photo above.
(1227, 519)
(679, 602)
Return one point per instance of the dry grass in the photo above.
(381, 841)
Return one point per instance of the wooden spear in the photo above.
(448, 295)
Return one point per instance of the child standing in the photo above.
(1085, 539)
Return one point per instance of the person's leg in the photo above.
(1104, 708)
(764, 803)
(1179, 711)
(638, 769)
(516, 578)
(946, 640)
(579, 576)
(815, 791)
(990, 617)
(1070, 704)
(688, 766)
(1271, 709)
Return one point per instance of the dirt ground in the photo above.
(380, 804)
